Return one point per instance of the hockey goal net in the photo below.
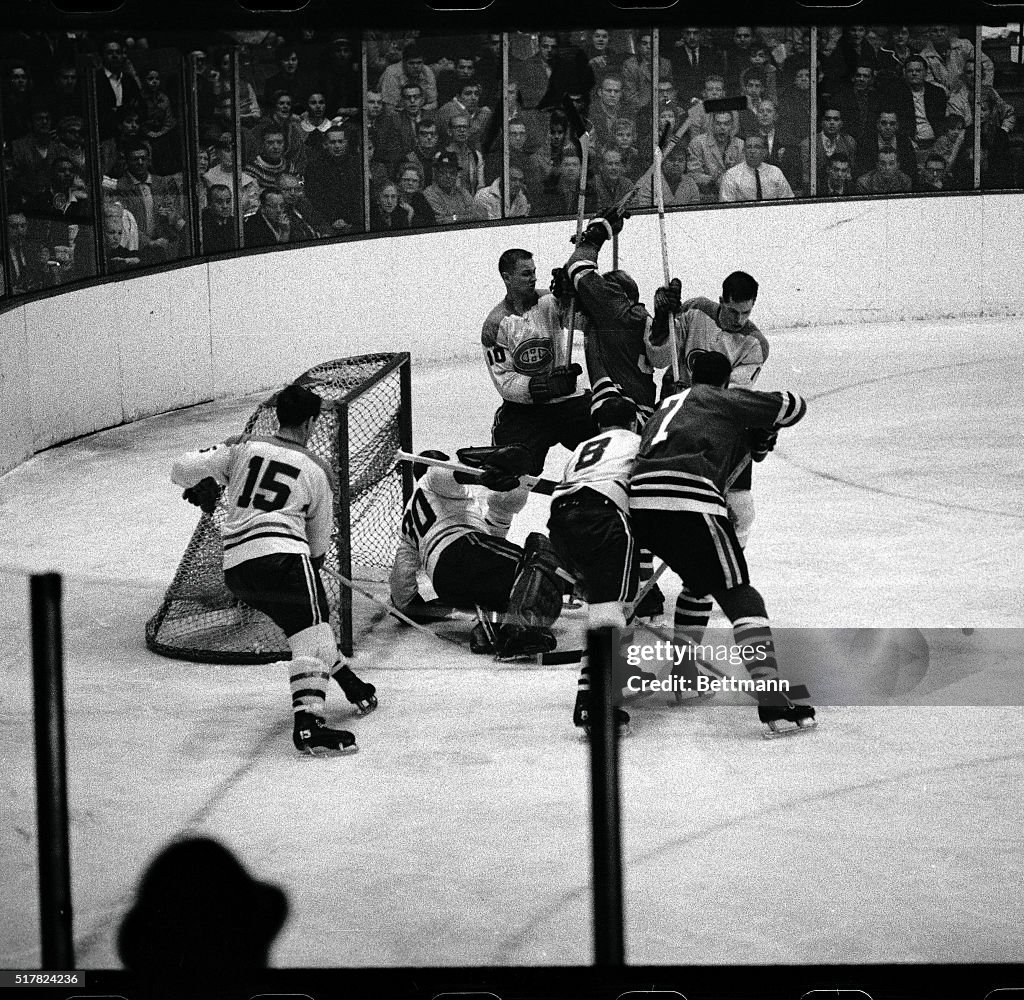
(365, 419)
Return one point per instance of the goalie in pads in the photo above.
(278, 499)
(443, 532)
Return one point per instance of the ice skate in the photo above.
(360, 693)
(314, 738)
(481, 638)
(581, 717)
(786, 719)
(651, 607)
(517, 641)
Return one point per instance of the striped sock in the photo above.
(691, 617)
(754, 636)
(308, 678)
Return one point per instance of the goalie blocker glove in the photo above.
(204, 494)
(558, 382)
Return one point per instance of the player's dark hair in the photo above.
(710, 368)
(419, 470)
(739, 287)
(510, 259)
(615, 412)
(296, 403)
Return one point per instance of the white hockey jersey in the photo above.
(279, 496)
(517, 348)
(603, 463)
(440, 511)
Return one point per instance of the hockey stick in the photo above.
(660, 197)
(545, 487)
(389, 608)
(581, 130)
(648, 586)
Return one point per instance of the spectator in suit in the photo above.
(692, 60)
(920, 106)
(737, 57)
(831, 141)
(532, 76)
(886, 178)
(782, 149)
(304, 221)
(32, 155)
(410, 196)
(860, 101)
(636, 73)
(155, 202)
(795, 98)
(333, 184)
(339, 73)
(607, 110)
(270, 225)
(852, 50)
(115, 87)
(66, 97)
(892, 58)
(411, 69)
(838, 181)
(571, 75)
(218, 222)
(711, 154)
(24, 256)
(753, 179)
(888, 136)
(450, 202)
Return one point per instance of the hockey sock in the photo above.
(646, 566)
(601, 391)
(691, 617)
(750, 628)
(308, 678)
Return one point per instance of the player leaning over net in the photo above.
(688, 452)
(617, 326)
(542, 404)
(443, 532)
(278, 500)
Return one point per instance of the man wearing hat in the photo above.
(449, 200)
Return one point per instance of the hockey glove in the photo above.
(761, 441)
(603, 227)
(514, 458)
(498, 479)
(561, 284)
(318, 561)
(669, 298)
(204, 494)
(558, 382)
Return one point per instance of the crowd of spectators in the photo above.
(278, 153)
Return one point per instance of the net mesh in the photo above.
(200, 619)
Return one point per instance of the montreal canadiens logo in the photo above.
(532, 356)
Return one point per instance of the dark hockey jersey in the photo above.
(696, 441)
(617, 328)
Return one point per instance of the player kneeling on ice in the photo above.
(443, 531)
(590, 530)
(688, 451)
(278, 501)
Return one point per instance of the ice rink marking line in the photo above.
(895, 494)
(532, 926)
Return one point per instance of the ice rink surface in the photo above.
(459, 834)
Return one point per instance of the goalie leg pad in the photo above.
(536, 598)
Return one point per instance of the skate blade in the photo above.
(775, 731)
(329, 751)
(584, 733)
